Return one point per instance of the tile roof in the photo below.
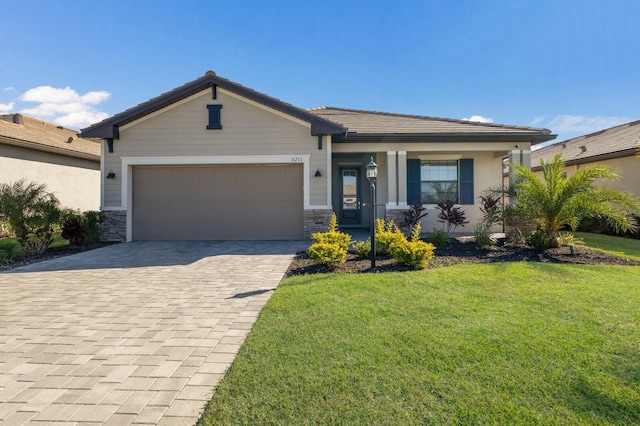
(361, 122)
(108, 128)
(618, 141)
(28, 132)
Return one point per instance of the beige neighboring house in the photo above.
(215, 160)
(616, 147)
(35, 150)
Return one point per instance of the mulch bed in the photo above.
(457, 251)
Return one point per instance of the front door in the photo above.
(349, 196)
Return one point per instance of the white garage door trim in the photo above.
(129, 162)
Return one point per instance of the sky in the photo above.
(572, 66)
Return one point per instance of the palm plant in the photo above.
(556, 200)
(31, 213)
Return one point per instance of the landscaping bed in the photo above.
(51, 253)
(465, 251)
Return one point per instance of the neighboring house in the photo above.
(216, 160)
(616, 147)
(35, 150)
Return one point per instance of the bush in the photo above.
(413, 216)
(362, 248)
(567, 239)
(330, 248)
(74, 230)
(386, 234)
(93, 223)
(414, 253)
(31, 212)
(538, 240)
(327, 254)
(482, 236)
(9, 250)
(438, 238)
(450, 215)
(491, 209)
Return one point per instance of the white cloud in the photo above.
(9, 89)
(479, 119)
(6, 107)
(65, 106)
(581, 124)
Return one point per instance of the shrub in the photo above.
(386, 234)
(31, 212)
(74, 230)
(333, 235)
(327, 254)
(413, 215)
(482, 236)
(93, 222)
(362, 248)
(9, 250)
(450, 215)
(330, 247)
(438, 238)
(414, 253)
(538, 240)
(491, 209)
(567, 239)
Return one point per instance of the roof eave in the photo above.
(50, 149)
(595, 158)
(444, 137)
(108, 129)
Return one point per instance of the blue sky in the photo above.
(572, 66)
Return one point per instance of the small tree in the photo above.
(556, 200)
(31, 212)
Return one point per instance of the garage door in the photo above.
(239, 202)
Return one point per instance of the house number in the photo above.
(296, 159)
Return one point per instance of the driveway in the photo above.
(131, 333)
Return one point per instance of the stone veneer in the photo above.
(517, 228)
(396, 214)
(316, 220)
(114, 227)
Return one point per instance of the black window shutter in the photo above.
(214, 117)
(466, 181)
(414, 190)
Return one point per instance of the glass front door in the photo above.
(349, 196)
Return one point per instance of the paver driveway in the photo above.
(132, 333)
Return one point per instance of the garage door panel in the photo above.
(240, 202)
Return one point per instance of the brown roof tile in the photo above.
(362, 124)
(618, 141)
(33, 133)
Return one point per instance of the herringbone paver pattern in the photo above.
(136, 333)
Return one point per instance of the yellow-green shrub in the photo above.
(330, 247)
(327, 254)
(386, 234)
(414, 253)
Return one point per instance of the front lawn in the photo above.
(501, 343)
(626, 247)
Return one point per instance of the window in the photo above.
(430, 181)
(438, 180)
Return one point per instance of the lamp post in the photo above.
(372, 174)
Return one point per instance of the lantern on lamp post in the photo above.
(372, 174)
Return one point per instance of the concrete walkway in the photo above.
(136, 333)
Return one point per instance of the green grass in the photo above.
(508, 343)
(626, 247)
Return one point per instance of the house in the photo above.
(35, 150)
(616, 147)
(213, 159)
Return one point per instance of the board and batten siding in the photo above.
(248, 129)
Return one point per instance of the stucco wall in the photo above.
(76, 182)
(247, 129)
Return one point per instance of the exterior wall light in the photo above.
(111, 175)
